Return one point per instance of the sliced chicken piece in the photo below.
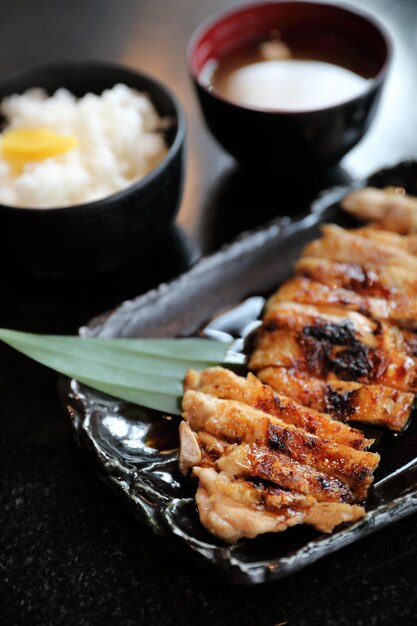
(304, 290)
(388, 210)
(336, 321)
(232, 509)
(408, 243)
(327, 515)
(239, 423)
(367, 279)
(212, 447)
(410, 338)
(344, 246)
(243, 461)
(222, 383)
(189, 453)
(289, 314)
(372, 404)
(223, 515)
(397, 285)
(319, 352)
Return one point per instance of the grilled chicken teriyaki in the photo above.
(260, 473)
(274, 449)
(390, 209)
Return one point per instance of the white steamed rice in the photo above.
(118, 140)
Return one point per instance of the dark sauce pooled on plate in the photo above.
(305, 68)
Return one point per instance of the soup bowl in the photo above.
(291, 140)
(94, 236)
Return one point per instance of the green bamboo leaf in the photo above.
(148, 372)
(106, 371)
(166, 403)
(192, 347)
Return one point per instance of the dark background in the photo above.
(70, 553)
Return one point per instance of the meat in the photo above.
(397, 285)
(222, 383)
(344, 246)
(304, 290)
(336, 345)
(232, 509)
(336, 321)
(384, 208)
(283, 313)
(243, 460)
(386, 237)
(321, 353)
(236, 422)
(343, 400)
(189, 452)
(258, 473)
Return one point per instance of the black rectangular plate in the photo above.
(134, 449)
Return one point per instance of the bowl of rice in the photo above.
(91, 166)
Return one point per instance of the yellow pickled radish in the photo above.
(25, 145)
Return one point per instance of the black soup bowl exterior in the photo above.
(95, 236)
(291, 141)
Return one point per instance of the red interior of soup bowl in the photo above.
(340, 27)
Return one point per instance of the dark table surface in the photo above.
(70, 553)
